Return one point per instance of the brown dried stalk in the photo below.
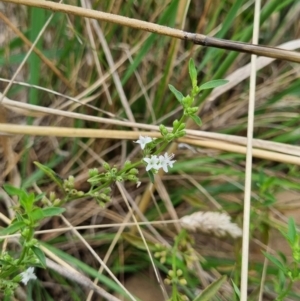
(198, 39)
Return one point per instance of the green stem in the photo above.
(174, 259)
(285, 292)
(161, 148)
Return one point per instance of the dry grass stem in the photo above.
(115, 134)
(249, 157)
(198, 39)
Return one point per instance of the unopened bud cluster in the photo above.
(161, 253)
(178, 131)
(175, 277)
(102, 197)
(112, 174)
(185, 247)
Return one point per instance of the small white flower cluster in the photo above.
(27, 275)
(215, 223)
(156, 162)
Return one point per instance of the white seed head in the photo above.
(209, 222)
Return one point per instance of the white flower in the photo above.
(27, 275)
(152, 162)
(165, 161)
(143, 141)
(215, 223)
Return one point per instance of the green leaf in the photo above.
(211, 290)
(40, 255)
(193, 72)
(12, 228)
(27, 203)
(151, 176)
(275, 261)
(12, 190)
(236, 290)
(213, 84)
(177, 94)
(39, 213)
(50, 173)
(26, 200)
(196, 119)
(52, 211)
(138, 242)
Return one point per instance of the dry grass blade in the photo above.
(81, 279)
(198, 39)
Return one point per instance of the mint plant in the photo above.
(28, 215)
(288, 273)
(19, 267)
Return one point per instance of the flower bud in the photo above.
(170, 137)
(131, 178)
(107, 190)
(163, 130)
(167, 281)
(52, 196)
(44, 200)
(73, 191)
(56, 202)
(179, 273)
(93, 172)
(25, 232)
(181, 127)
(32, 242)
(187, 101)
(119, 179)
(175, 123)
(106, 166)
(180, 134)
(127, 163)
(133, 171)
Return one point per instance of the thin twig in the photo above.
(88, 227)
(197, 39)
